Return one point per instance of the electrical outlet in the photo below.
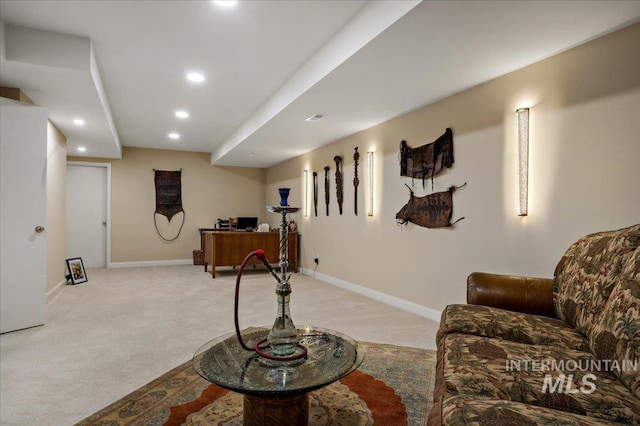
(316, 260)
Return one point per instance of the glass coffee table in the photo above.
(276, 392)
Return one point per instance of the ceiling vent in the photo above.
(314, 117)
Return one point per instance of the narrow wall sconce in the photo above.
(523, 160)
(370, 173)
(305, 193)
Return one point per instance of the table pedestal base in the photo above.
(287, 411)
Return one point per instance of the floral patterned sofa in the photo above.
(562, 351)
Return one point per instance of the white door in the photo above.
(23, 195)
(87, 214)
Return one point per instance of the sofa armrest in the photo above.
(521, 294)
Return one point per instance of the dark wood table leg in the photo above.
(286, 411)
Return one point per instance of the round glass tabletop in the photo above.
(331, 356)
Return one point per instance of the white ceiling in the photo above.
(269, 65)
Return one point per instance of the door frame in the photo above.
(108, 219)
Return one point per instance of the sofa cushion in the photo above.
(587, 273)
(507, 325)
(471, 410)
(617, 336)
(488, 368)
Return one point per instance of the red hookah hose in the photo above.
(260, 346)
(260, 255)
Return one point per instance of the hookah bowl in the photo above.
(284, 195)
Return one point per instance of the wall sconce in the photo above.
(305, 193)
(370, 173)
(523, 160)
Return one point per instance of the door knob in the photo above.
(39, 229)
(104, 223)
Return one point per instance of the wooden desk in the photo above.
(229, 248)
(202, 231)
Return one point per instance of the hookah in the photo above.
(282, 343)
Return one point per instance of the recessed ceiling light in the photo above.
(182, 114)
(195, 77)
(225, 3)
(314, 117)
(174, 135)
(82, 149)
(78, 122)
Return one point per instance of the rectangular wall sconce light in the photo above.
(523, 160)
(370, 173)
(305, 193)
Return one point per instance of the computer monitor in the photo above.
(244, 223)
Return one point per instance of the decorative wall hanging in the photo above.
(427, 160)
(339, 193)
(315, 193)
(168, 198)
(356, 181)
(326, 188)
(431, 211)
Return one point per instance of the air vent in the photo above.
(314, 117)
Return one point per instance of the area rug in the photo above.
(393, 386)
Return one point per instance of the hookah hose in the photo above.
(260, 346)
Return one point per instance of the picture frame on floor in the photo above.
(77, 273)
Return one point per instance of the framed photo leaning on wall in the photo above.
(77, 274)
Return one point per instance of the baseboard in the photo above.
(396, 302)
(151, 263)
(50, 295)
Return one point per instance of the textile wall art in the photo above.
(434, 210)
(431, 211)
(427, 160)
(168, 198)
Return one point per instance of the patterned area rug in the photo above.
(393, 386)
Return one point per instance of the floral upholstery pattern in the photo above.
(512, 326)
(617, 335)
(470, 410)
(587, 273)
(487, 368)
(498, 367)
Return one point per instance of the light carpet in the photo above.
(124, 327)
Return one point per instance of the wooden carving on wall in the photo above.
(356, 181)
(339, 193)
(326, 188)
(168, 198)
(315, 193)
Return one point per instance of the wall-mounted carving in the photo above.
(315, 193)
(326, 188)
(339, 183)
(356, 181)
